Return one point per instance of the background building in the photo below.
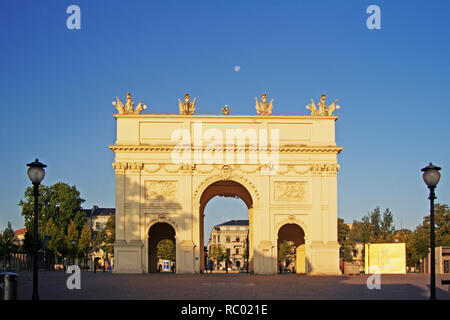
(97, 217)
(19, 236)
(96, 220)
(232, 236)
(442, 260)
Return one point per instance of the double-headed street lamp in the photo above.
(36, 173)
(431, 177)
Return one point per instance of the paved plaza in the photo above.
(100, 285)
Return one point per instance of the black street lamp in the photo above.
(431, 177)
(36, 173)
(73, 251)
(248, 249)
(104, 262)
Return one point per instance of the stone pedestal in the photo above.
(324, 258)
(128, 257)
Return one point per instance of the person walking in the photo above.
(210, 266)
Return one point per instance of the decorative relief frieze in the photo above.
(288, 148)
(134, 167)
(292, 169)
(289, 191)
(153, 168)
(327, 169)
(127, 167)
(226, 171)
(160, 190)
(119, 167)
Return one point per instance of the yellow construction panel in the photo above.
(385, 258)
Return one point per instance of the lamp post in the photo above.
(104, 251)
(431, 177)
(73, 251)
(248, 249)
(36, 173)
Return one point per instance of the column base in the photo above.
(324, 259)
(128, 257)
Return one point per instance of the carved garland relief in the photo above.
(290, 191)
(160, 190)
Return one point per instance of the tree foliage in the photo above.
(216, 253)
(285, 250)
(60, 217)
(418, 242)
(373, 227)
(85, 242)
(107, 236)
(166, 250)
(347, 245)
(6, 240)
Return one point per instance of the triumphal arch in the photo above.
(168, 166)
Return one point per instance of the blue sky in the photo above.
(392, 84)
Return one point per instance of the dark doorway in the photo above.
(158, 232)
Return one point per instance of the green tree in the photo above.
(418, 242)
(6, 240)
(343, 231)
(62, 204)
(85, 243)
(284, 250)
(216, 253)
(166, 250)
(72, 239)
(442, 224)
(373, 227)
(226, 258)
(51, 230)
(347, 244)
(387, 228)
(360, 231)
(374, 219)
(107, 236)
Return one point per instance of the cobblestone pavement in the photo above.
(52, 285)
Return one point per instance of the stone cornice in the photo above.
(223, 117)
(291, 148)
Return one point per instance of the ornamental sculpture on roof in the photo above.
(322, 109)
(264, 108)
(187, 107)
(226, 110)
(128, 107)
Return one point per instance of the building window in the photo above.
(218, 239)
(214, 239)
(237, 251)
(237, 239)
(228, 239)
(228, 251)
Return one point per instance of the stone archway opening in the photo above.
(239, 246)
(157, 233)
(291, 249)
